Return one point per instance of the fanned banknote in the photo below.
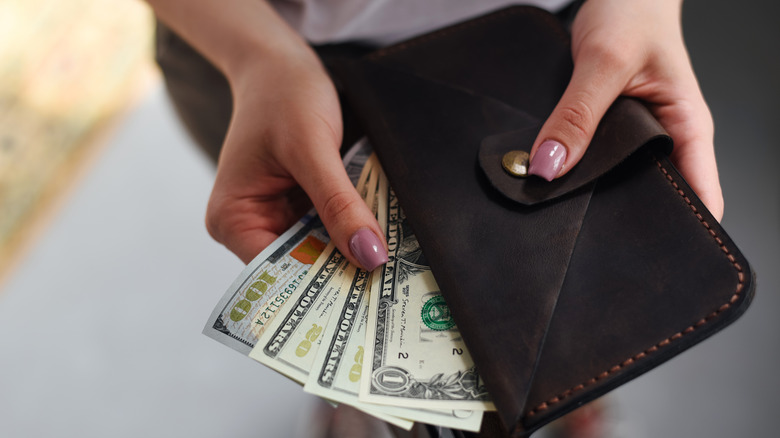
(291, 341)
(247, 307)
(338, 365)
(415, 356)
(303, 310)
(265, 284)
(292, 338)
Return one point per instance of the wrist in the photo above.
(259, 65)
(240, 37)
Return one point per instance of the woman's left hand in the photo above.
(632, 48)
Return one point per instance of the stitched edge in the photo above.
(666, 342)
(455, 29)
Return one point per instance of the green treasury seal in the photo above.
(436, 315)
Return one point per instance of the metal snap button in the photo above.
(516, 163)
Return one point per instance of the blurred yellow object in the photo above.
(67, 69)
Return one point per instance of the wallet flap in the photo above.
(493, 71)
(626, 127)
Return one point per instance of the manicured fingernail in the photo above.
(367, 249)
(548, 160)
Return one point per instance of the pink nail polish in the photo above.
(367, 249)
(548, 160)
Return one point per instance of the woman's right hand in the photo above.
(282, 145)
(281, 153)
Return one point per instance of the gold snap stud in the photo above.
(516, 163)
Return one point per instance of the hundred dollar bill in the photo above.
(415, 354)
(265, 284)
(339, 362)
(292, 338)
(246, 308)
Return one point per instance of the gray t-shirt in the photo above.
(382, 22)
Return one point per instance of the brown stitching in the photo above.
(734, 298)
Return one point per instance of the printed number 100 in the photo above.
(254, 292)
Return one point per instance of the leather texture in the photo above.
(564, 290)
(627, 120)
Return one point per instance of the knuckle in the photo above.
(215, 221)
(338, 205)
(578, 119)
(613, 56)
(212, 226)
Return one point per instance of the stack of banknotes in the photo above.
(383, 342)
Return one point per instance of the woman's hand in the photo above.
(632, 48)
(282, 144)
(281, 153)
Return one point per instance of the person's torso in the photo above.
(382, 22)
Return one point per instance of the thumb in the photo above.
(351, 225)
(566, 134)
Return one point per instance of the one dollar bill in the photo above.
(338, 365)
(415, 354)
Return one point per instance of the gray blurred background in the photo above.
(728, 385)
(100, 326)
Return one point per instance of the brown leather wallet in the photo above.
(562, 290)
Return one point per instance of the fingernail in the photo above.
(548, 160)
(367, 249)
